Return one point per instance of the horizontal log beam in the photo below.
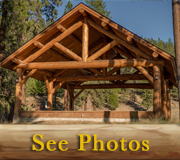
(109, 86)
(93, 64)
(100, 78)
(18, 61)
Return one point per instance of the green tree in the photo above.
(99, 6)
(20, 21)
(68, 7)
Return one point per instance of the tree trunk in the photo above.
(2, 32)
(176, 13)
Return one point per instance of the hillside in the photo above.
(33, 102)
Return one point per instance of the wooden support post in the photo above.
(164, 95)
(157, 91)
(85, 40)
(72, 100)
(18, 95)
(85, 105)
(168, 101)
(50, 96)
(65, 100)
(71, 96)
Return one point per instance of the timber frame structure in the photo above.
(79, 47)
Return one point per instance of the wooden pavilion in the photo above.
(79, 47)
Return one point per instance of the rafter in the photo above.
(102, 51)
(51, 52)
(124, 43)
(52, 42)
(68, 52)
(71, 36)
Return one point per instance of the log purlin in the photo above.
(93, 64)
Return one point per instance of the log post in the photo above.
(65, 100)
(18, 95)
(85, 39)
(168, 101)
(157, 91)
(71, 97)
(72, 100)
(164, 97)
(85, 105)
(50, 96)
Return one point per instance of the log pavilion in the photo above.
(79, 47)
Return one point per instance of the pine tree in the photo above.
(99, 6)
(20, 21)
(68, 7)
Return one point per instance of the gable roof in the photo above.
(95, 38)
